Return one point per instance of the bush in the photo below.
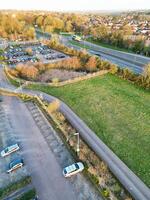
(94, 179)
(113, 69)
(53, 107)
(105, 192)
(69, 64)
(55, 80)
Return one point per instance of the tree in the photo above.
(91, 64)
(49, 28)
(138, 46)
(40, 66)
(29, 72)
(30, 33)
(29, 51)
(127, 30)
(68, 26)
(39, 21)
(101, 32)
(75, 63)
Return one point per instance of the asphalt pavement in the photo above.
(39, 155)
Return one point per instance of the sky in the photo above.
(71, 5)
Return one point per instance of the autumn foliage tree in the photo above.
(69, 64)
(27, 71)
(40, 66)
(29, 51)
(91, 65)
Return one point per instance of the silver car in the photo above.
(9, 150)
(73, 169)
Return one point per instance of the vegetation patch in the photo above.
(28, 195)
(118, 112)
(14, 186)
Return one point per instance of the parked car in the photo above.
(61, 56)
(9, 150)
(15, 164)
(73, 169)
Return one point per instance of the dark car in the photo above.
(15, 164)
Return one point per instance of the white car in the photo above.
(14, 165)
(9, 150)
(73, 169)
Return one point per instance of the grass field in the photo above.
(79, 44)
(100, 44)
(118, 112)
(109, 46)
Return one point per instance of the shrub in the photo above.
(146, 72)
(113, 69)
(69, 64)
(53, 107)
(126, 73)
(105, 192)
(95, 179)
(55, 80)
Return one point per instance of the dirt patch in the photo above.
(61, 75)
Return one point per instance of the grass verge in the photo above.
(108, 45)
(79, 44)
(30, 195)
(14, 186)
(118, 112)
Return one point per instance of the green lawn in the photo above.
(118, 112)
(100, 44)
(79, 44)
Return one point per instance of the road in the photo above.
(132, 61)
(127, 178)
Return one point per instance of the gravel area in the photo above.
(61, 75)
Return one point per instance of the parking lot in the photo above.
(8, 137)
(44, 153)
(19, 54)
(83, 189)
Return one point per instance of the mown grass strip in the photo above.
(30, 195)
(4, 192)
